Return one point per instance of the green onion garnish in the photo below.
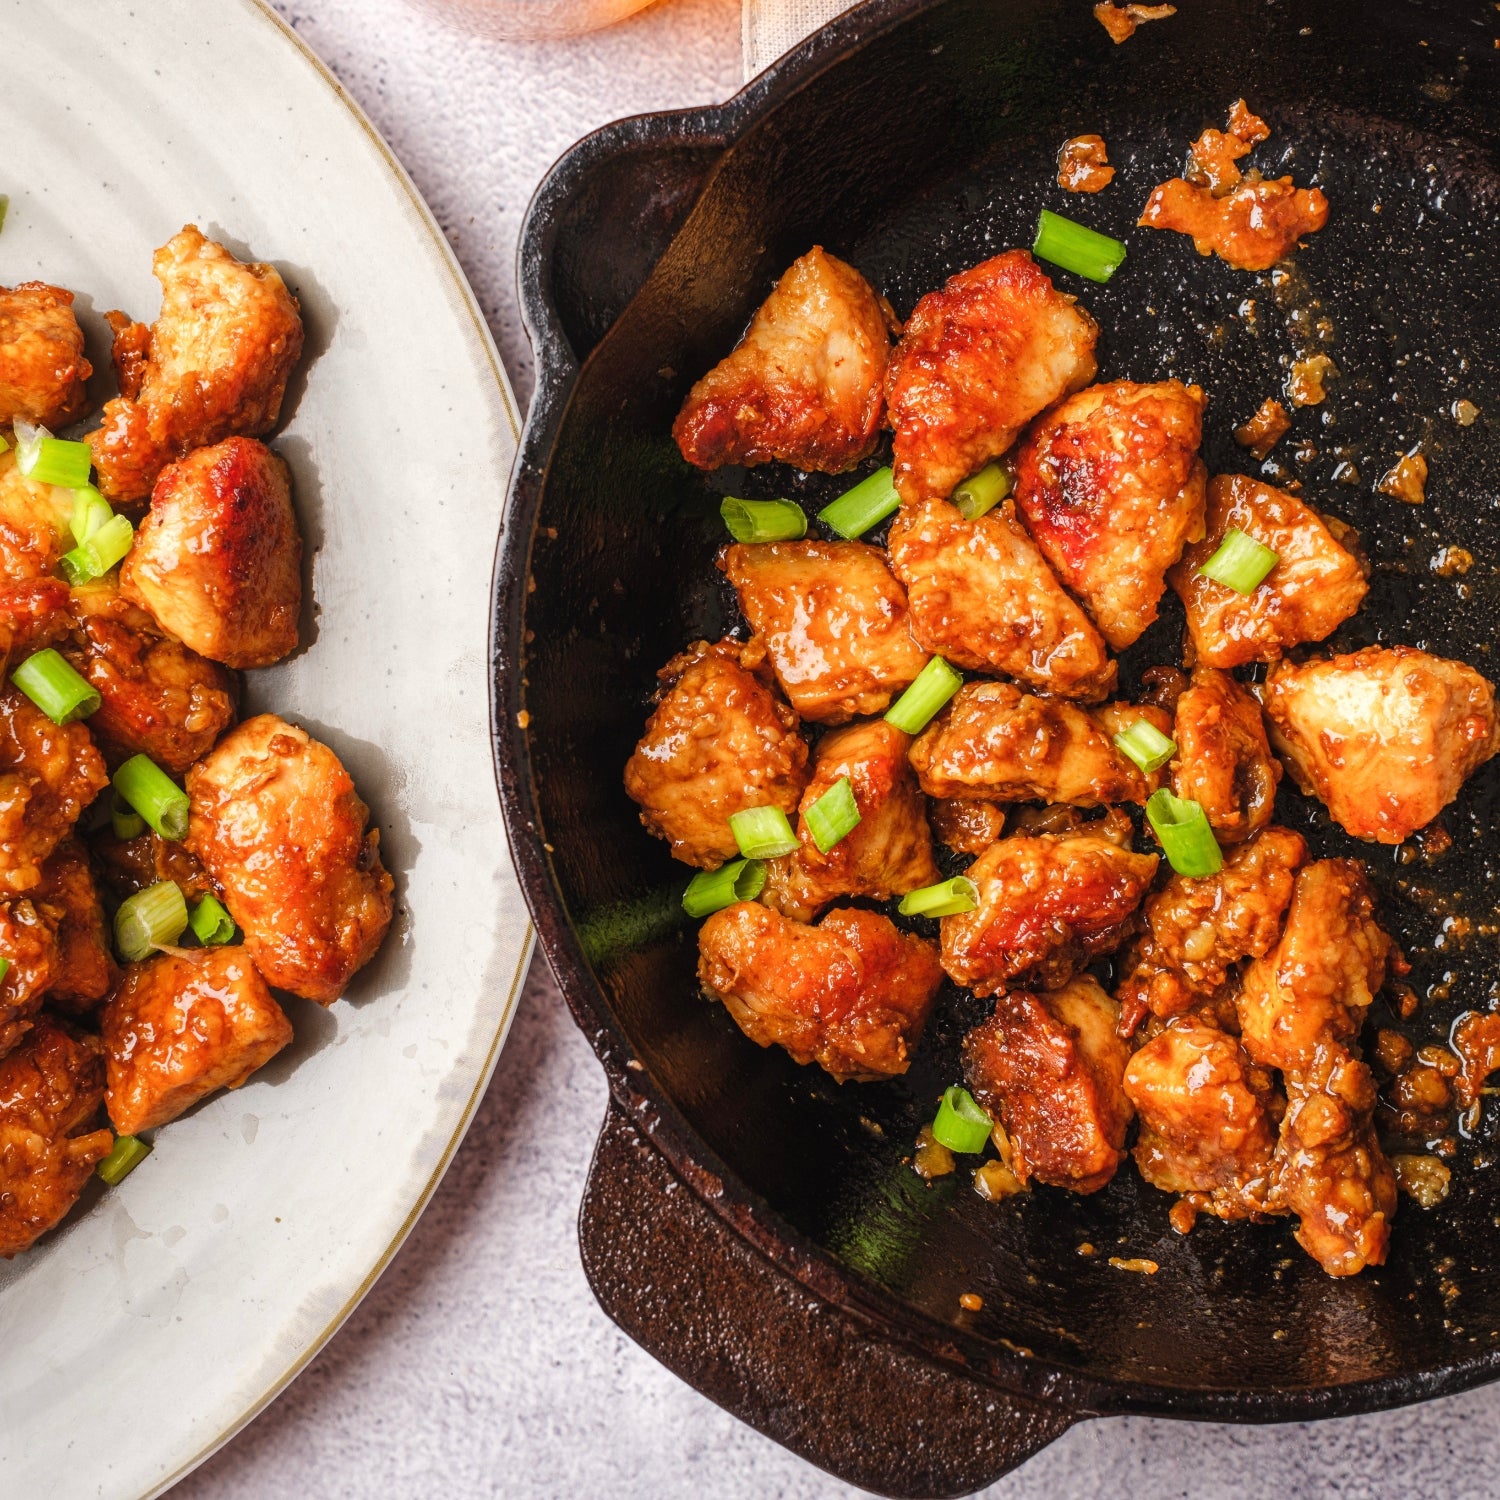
(4, 205)
(1186, 838)
(128, 1153)
(150, 919)
(95, 557)
(949, 898)
(52, 684)
(49, 460)
(1146, 745)
(834, 815)
(763, 832)
(866, 505)
(90, 511)
(210, 923)
(932, 687)
(961, 1125)
(4, 446)
(712, 890)
(1076, 247)
(126, 822)
(4, 969)
(1241, 563)
(982, 492)
(763, 520)
(154, 795)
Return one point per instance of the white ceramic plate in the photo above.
(168, 1311)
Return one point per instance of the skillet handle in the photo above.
(872, 1411)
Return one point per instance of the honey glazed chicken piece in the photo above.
(130, 865)
(213, 365)
(217, 562)
(278, 825)
(1111, 488)
(42, 366)
(888, 852)
(1385, 737)
(804, 385)
(851, 994)
(1048, 904)
(83, 966)
(1316, 584)
(1224, 761)
(33, 615)
(834, 623)
(976, 362)
(965, 825)
(51, 1088)
(1051, 1069)
(34, 530)
(179, 1027)
(719, 741)
(28, 939)
(983, 597)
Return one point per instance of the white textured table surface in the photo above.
(480, 1366)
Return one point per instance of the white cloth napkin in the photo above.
(771, 27)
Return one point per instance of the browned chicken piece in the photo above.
(1385, 737)
(218, 560)
(982, 596)
(278, 825)
(718, 742)
(158, 697)
(83, 968)
(976, 362)
(806, 383)
(1316, 584)
(1316, 984)
(1265, 429)
(181, 1026)
(1052, 1069)
(32, 615)
(1047, 905)
(1224, 762)
(51, 1088)
(1120, 21)
(42, 367)
(1111, 488)
(995, 743)
(213, 365)
(34, 520)
(1083, 165)
(28, 940)
(130, 865)
(851, 994)
(963, 824)
(1197, 930)
(888, 853)
(833, 620)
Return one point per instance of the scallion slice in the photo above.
(4, 446)
(763, 832)
(932, 687)
(210, 923)
(4, 969)
(154, 795)
(1076, 247)
(128, 1153)
(52, 684)
(763, 520)
(712, 890)
(866, 505)
(49, 460)
(90, 511)
(834, 816)
(95, 557)
(1186, 837)
(149, 919)
(961, 1125)
(949, 898)
(1145, 745)
(124, 820)
(983, 491)
(1240, 563)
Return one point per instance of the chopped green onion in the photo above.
(1146, 745)
(90, 511)
(154, 795)
(210, 923)
(1241, 563)
(932, 687)
(50, 460)
(4, 446)
(95, 557)
(866, 505)
(763, 832)
(4, 205)
(1076, 247)
(834, 815)
(126, 822)
(4, 969)
(949, 898)
(712, 890)
(1183, 828)
(983, 491)
(150, 919)
(763, 520)
(52, 684)
(128, 1153)
(961, 1125)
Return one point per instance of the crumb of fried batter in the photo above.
(1406, 479)
(1083, 165)
(1120, 21)
(1265, 429)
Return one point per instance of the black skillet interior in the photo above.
(928, 149)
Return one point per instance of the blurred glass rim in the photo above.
(530, 20)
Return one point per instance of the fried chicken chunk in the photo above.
(719, 741)
(42, 368)
(982, 596)
(181, 1026)
(83, 966)
(1051, 1069)
(28, 939)
(888, 853)
(50, 1090)
(804, 385)
(1111, 488)
(213, 365)
(1047, 905)
(976, 362)
(963, 824)
(851, 994)
(33, 524)
(218, 560)
(834, 621)
(1224, 762)
(278, 825)
(1385, 736)
(1316, 584)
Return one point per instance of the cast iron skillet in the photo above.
(915, 137)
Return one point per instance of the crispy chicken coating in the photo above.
(28, 939)
(1224, 762)
(804, 385)
(1111, 488)
(834, 621)
(963, 824)
(213, 365)
(278, 825)
(1052, 1069)
(976, 362)
(982, 596)
(83, 965)
(130, 865)
(851, 994)
(217, 562)
(32, 615)
(1083, 165)
(33, 524)
(181, 1026)
(1385, 736)
(42, 367)
(718, 742)
(1316, 584)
